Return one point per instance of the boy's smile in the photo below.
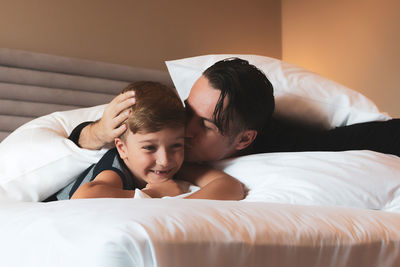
(161, 172)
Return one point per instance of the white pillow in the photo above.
(37, 159)
(358, 179)
(300, 94)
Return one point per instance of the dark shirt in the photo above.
(379, 136)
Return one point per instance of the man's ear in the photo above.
(245, 138)
(121, 147)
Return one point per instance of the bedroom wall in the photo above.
(141, 33)
(355, 43)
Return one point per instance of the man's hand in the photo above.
(158, 190)
(213, 183)
(103, 132)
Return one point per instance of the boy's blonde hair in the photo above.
(157, 107)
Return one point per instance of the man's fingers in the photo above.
(126, 104)
(119, 103)
(123, 116)
(119, 131)
(122, 97)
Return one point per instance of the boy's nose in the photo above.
(162, 158)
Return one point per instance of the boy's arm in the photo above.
(214, 184)
(98, 134)
(106, 184)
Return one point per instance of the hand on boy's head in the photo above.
(166, 188)
(115, 113)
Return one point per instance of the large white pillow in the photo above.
(357, 179)
(300, 94)
(37, 159)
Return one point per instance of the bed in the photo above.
(302, 209)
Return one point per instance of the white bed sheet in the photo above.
(302, 209)
(176, 232)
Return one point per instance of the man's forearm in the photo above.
(89, 138)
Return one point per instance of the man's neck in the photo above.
(244, 152)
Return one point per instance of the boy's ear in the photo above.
(121, 147)
(245, 138)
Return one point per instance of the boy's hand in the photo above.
(158, 190)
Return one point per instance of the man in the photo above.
(230, 114)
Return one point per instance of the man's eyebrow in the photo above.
(209, 120)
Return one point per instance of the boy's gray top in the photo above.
(110, 161)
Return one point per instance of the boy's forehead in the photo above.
(173, 133)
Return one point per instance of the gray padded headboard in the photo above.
(36, 84)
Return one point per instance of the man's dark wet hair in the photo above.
(249, 94)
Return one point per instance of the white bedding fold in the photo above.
(176, 232)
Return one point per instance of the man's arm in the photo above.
(108, 184)
(95, 135)
(379, 136)
(214, 184)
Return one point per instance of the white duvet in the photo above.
(176, 232)
(302, 209)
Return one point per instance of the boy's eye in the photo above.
(149, 148)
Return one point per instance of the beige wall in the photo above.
(353, 42)
(141, 33)
(356, 43)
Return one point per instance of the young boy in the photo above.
(150, 154)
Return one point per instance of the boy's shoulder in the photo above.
(110, 161)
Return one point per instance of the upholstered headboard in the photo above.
(36, 84)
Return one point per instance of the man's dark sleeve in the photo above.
(76, 132)
(379, 136)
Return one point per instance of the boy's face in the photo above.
(153, 157)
